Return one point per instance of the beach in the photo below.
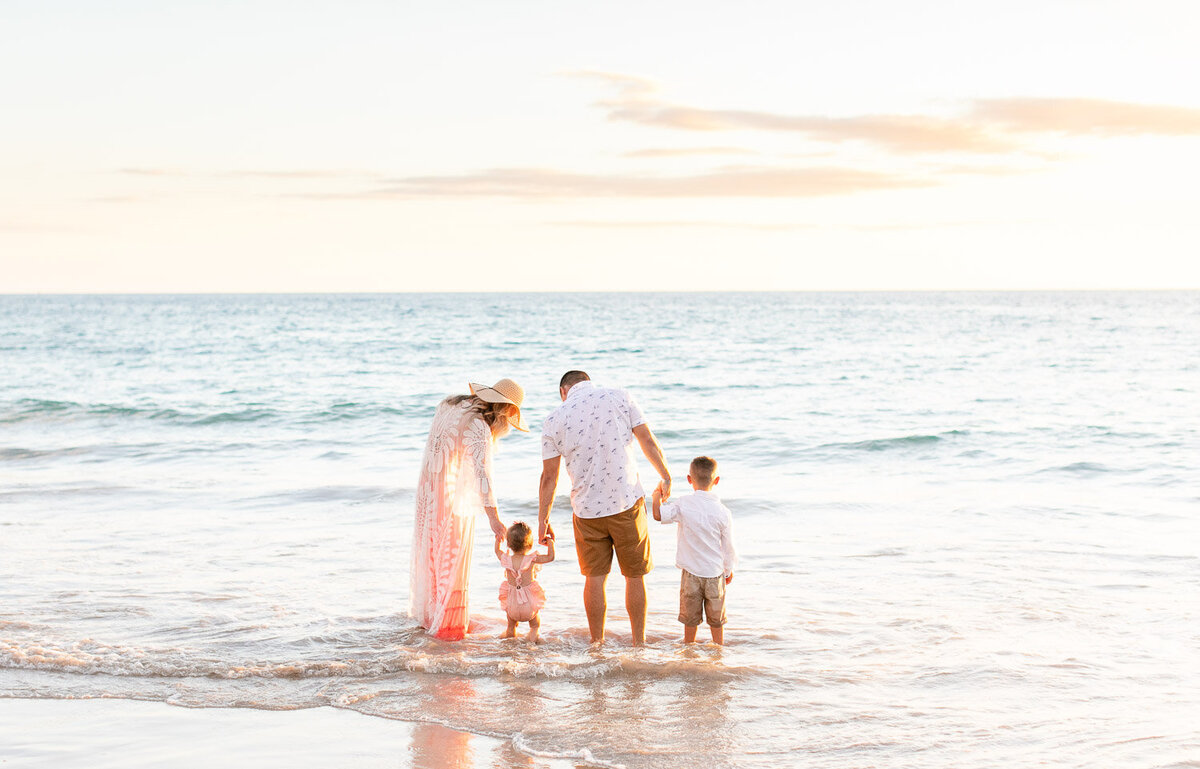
(125, 733)
(965, 525)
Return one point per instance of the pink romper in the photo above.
(520, 594)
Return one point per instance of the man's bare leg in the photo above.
(595, 604)
(635, 604)
(689, 634)
(718, 632)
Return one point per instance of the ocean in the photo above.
(967, 522)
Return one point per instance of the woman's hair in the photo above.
(495, 415)
(520, 537)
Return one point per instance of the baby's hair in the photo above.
(703, 470)
(520, 537)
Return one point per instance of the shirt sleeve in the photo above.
(668, 512)
(549, 446)
(728, 553)
(635, 412)
(479, 447)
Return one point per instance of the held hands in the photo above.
(663, 489)
(547, 534)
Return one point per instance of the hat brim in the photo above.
(492, 395)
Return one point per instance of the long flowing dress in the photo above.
(455, 483)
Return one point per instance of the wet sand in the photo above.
(102, 733)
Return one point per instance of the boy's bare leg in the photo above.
(534, 624)
(689, 634)
(595, 604)
(718, 632)
(635, 604)
(512, 629)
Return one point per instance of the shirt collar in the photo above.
(702, 492)
(586, 384)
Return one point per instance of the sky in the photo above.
(214, 146)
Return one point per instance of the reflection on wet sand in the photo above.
(436, 747)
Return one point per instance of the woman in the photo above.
(456, 480)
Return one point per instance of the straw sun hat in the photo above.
(504, 391)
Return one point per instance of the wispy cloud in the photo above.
(279, 174)
(683, 224)
(982, 126)
(1097, 117)
(533, 183)
(898, 133)
(766, 226)
(677, 152)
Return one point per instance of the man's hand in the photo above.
(664, 488)
(546, 487)
(653, 453)
(729, 578)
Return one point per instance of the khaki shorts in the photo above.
(597, 538)
(701, 593)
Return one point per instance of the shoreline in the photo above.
(103, 732)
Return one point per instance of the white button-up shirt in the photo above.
(705, 535)
(593, 432)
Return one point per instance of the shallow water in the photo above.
(967, 522)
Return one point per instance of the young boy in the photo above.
(705, 551)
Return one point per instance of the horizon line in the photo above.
(622, 291)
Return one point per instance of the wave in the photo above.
(244, 415)
(1077, 468)
(356, 494)
(558, 658)
(30, 408)
(33, 409)
(887, 444)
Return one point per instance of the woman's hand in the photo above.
(498, 528)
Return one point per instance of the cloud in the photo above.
(284, 174)
(1096, 117)
(667, 152)
(542, 184)
(684, 224)
(898, 133)
(983, 126)
(769, 226)
(630, 86)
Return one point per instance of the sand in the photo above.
(103, 733)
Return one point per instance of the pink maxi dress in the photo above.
(455, 483)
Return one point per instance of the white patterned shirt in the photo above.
(705, 536)
(593, 432)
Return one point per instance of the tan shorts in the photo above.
(701, 597)
(625, 533)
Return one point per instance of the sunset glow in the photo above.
(213, 147)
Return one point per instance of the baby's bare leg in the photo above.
(534, 624)
(689, 633)
(512, 629)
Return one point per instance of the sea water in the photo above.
(967, 523)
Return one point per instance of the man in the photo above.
(593, 430)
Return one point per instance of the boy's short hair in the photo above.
(703, 470)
